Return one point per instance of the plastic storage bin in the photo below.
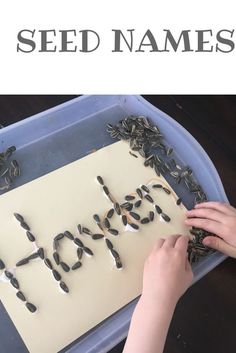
(63, 134)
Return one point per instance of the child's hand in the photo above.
(220, 219)
(167, 272)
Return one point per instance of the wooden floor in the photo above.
(205, 318)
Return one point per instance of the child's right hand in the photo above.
(218, 218)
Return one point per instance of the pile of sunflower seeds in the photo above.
(147, 140)
(8, 169)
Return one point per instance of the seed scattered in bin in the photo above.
(129, 197)
(132, 154)
(21, 296)
(167, 191)
(97, 236)
(78, 242)
(110, 213)
(56, 257)
(14, 283)
(41, 253)
(24, 225)
(145, 220)
(135, 215)
(149, 198)
(87, 251)
(151, 216)
(31, 307)
(106, 190)
(139, 192)
(145, 188)
(113, 231)
(68, 235)
(30, 236)
(22, 262)
(158, 209)
(165, 217)
(64, 287)
(100, 180)
(56, 275)
(64, 266)
(179, 201)
(77, 265)
(117, 208)
(137, 203)
(19, 217)
(2, 265)
(48, 263)
(109, 244)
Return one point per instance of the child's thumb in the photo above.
(220, 245)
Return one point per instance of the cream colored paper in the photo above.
(57, 202)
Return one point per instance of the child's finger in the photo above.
(209, 225)
(170, 241)
(219, 206)
(206, 213)
(220, 245)
(182, 244)
(159, 243)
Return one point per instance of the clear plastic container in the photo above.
(65, 133)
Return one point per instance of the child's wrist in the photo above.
(153, 300)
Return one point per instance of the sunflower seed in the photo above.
(33, 256)
(179, 201)
(79, 253)
(30, 236)
(48, 263)
(106, 190)
(56, 275)
(157, 186)
(158, 209)
(5, 172)
(14, 283)
(129, 197)
(31, 307)
(79, 228)
(100, 180)
(68, 235)
(132, 154)
(2, 265)
(124, 219)
(22, 262)
(14, 163)
(41, 253)
(59, 236)
(97, 236)
(87, 251)
(78, 242)
(55, 244)
(138, 203)
(118, 263)
(151, 216)
(8, 274)
(127, 205)
(165, 217)
(149, 198)
(19, 217)
(107, 223)
(113, 231)
(169, 151)
(115, 254)
(64, 266)
(109, 244)
(56, 257)
(110, 213)
(134, 226)
(145, 188)
(139, 192)
(21, 296)
(24, 225)
(145, 220)
(96, 218)
(135, 215)
(86, 231)
(117, 208)
(64, 287)
(77, 265)
(167, 191)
